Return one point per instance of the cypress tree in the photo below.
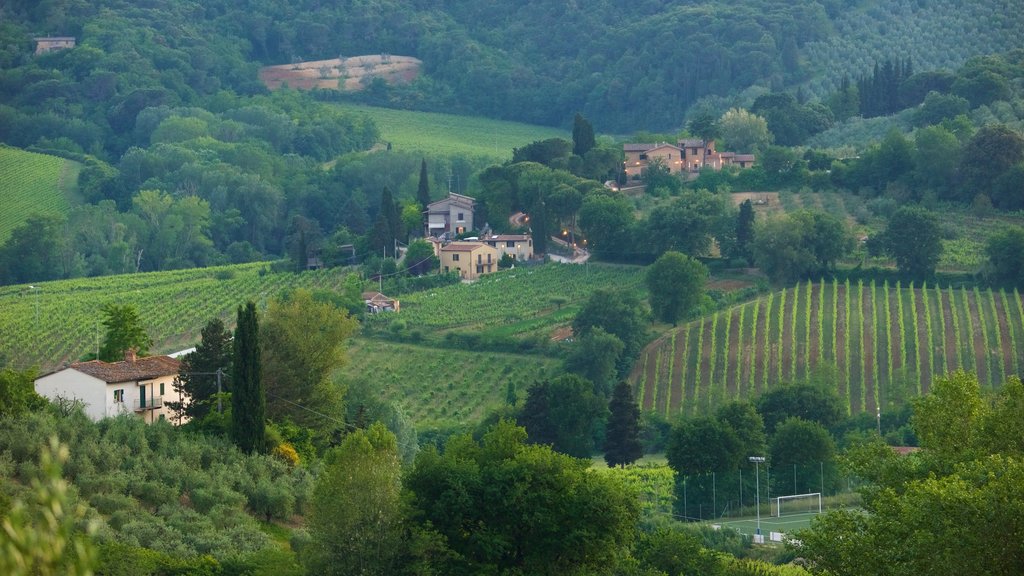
(622, 436)
(582, 136)
(745, 231)
(248, 402)
(423, 190)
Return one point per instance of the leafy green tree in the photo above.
(703, 445)
(565, 414)
(676, 285)
(933, 147)
(811, 402)
(595, 356)
(124, 331)
(948, 420)
(420, 258)
(618, 313)
(33, 251)
(1006, 188)
(582, 136)
(913, 238)
(1005, 251)
(504, 507)
(302, 342)
(748, 425)
(18, 393)
(356, 521)
(676, 552)
(800, 245)
(423, 187)
(45, 536)
(807, 446)
(744, 131)
(994, 150)
(543, 151)
(248, 399)
(622, 444)
(607, 221)
(197, 376)
(703, 124)
(938, 107)
(686, 224)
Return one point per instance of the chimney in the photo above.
(129, 355)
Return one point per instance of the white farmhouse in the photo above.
(134, 385)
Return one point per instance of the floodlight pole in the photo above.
(757, 460)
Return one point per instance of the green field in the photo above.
(33, 183)
(436, 387)
(58, 322)
(448, 134)
(880, 343)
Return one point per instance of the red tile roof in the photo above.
(125, 371)
(463, 246)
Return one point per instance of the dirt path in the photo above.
(760, 333)
(946, 310)
(895, 343)
(925, 349)
(870, 358)
(675, 385)
(813, 346)
(650, 377)
(1003, 325)
(979, 347)
(706, 357)
(788, 334)
(732, 385)
(842, 334)
(692, 361)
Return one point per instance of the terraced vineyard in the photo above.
(881, 340)
(33, 183)
(57, 322)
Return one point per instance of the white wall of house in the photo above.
(72, 384)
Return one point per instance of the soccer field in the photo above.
(788, 524)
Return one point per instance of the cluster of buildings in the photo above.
(471, 257)
(686, 157)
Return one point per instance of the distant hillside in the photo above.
(33, 183)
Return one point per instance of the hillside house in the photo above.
(687, 156)
(469, 259)
(377, 302)
(518, 246)
(133, 385)
(45, 44)
(453, 214)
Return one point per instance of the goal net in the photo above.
(796, 504)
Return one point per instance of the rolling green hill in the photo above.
(878, 342)
(33, 183)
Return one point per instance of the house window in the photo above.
(643, 156)
(455, 257)
(161, 388)
(162, 417)
(479, 258)
(479, 269)
(510, 243)
(460, 217)
(488, 258)
(119, 395)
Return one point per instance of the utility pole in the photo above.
(757, 460)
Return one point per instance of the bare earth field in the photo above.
(348, 74)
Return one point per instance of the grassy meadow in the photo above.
(33, 183)
(448, 134)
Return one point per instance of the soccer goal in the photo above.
(796, 504)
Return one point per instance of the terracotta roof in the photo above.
(904, 450)
(453, 198)
(744, 157)
(508, 237)
(691, 142)
(462, 246)
(125, 371)
(376, 297)
(637, 147)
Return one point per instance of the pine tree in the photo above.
(622, 436)
(124, 331)
(423, 190)
(248, 402)
(745, 231)
(197, 378)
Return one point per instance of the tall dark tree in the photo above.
(539, 226)
(622, 435)
(124, 331)
(619, 313)
(392, 215)
(248, 400)
(197, 376)
(582, 136)
(423, 188)
(914, 240)
(745, 231)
